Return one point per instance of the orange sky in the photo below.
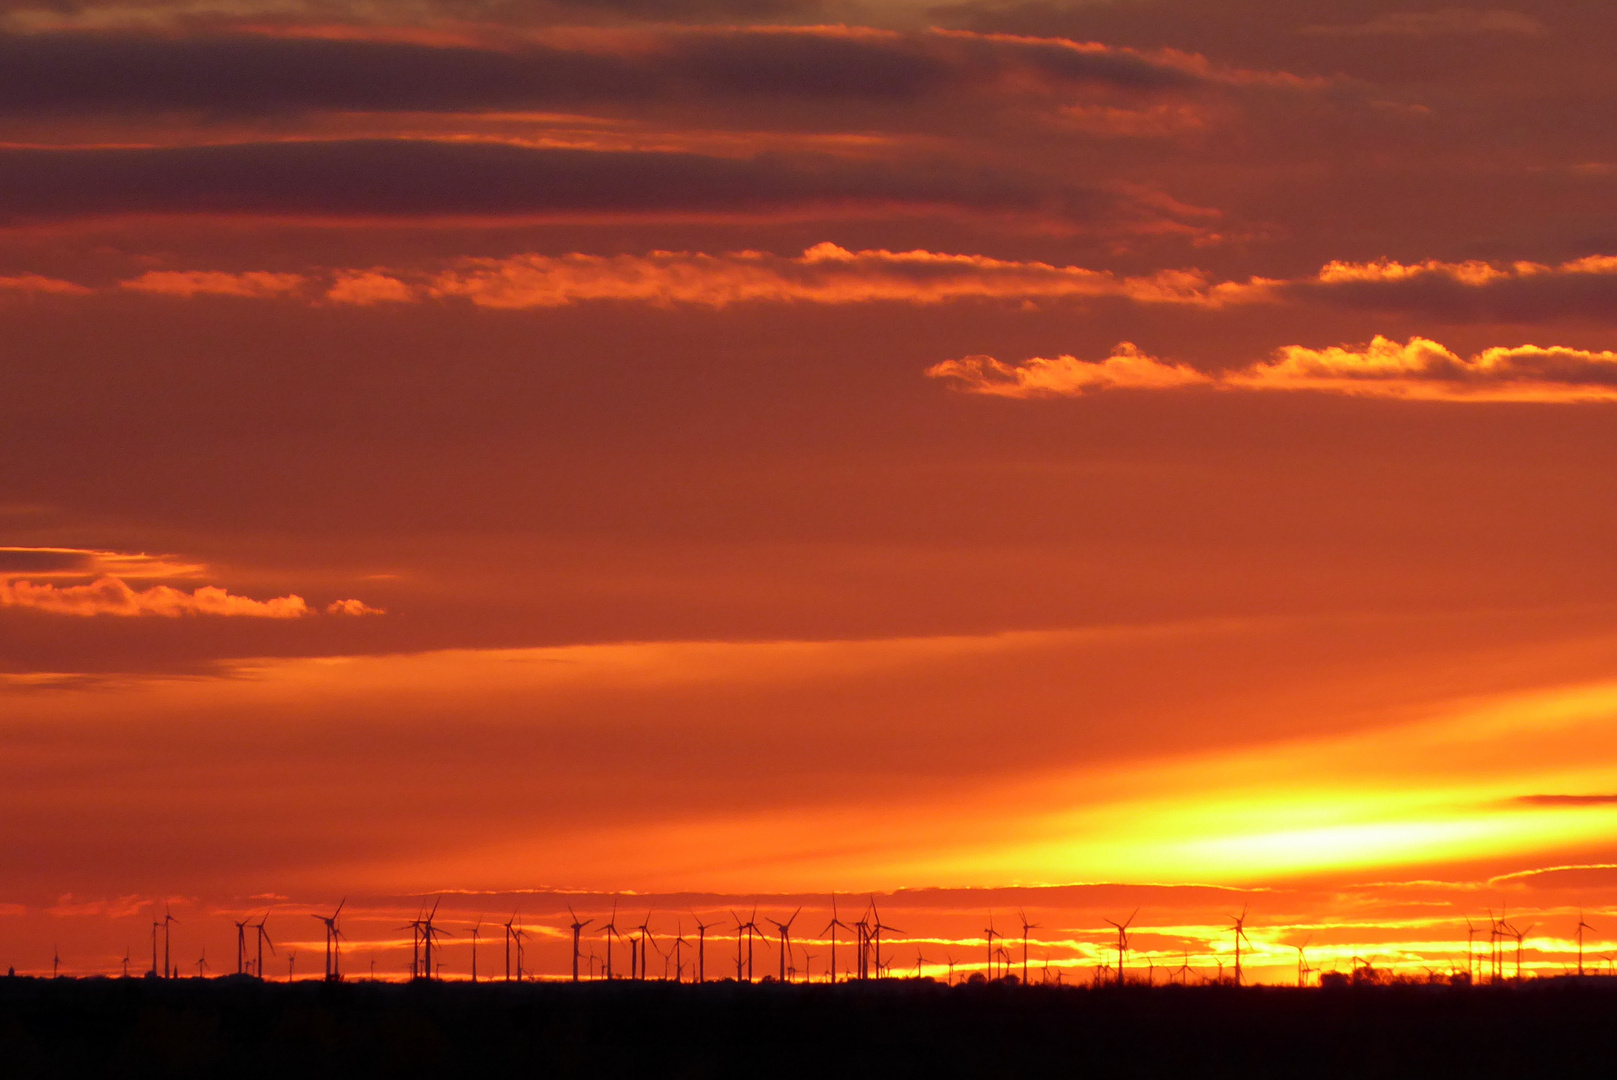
(1070, 457)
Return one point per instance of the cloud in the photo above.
(370, 179)
(82, 562)
(1419, 369)
(188, 283)
(1423, 369)
(1520, 291)
(352, 607)
(251, 73)
(1446, 22)
(111, 596)
(1067, 376)
(1566, 800)
(38, 283)
(823, 274)
(365, 287)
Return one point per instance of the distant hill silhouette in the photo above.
(238, 1027)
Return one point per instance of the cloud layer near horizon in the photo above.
(1418, 370)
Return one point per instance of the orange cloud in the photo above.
(38, 283)
(823, 274)
(1417, 370)
(1066, 376)
(1424, 370)
(86, 562)
(111, 596)
(352, 607)
(188, 283)
(364, 287)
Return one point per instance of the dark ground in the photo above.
(240, 1028)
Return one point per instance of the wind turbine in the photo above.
(429, 932)
(786, 940)
(474, 931)
(1582, 926)
(1470, 948)
(333, 943)
(155, 925)
(919, 962)
(610, 930)
(510, 932)
(1026, 926)
(1239, 926)
(241, 944)
(1519, 935)
(202, 964)
(876, 929)
(578, 928)
(645, 932)
(263, 936)
(862, 927)
(1302, 961)
(56, 960)
(126, 961)
(751, 927)
(167, 920)
(701, 948)
(679, 961)
(991, 934)
(831, 928)
(1122, 942)
(1183, 970)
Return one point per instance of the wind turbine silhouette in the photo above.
(679, 961)
(1582, 926)
(1026, 926)
(920, 961)
(429, 933)
(56, 960)
(876, 928)
(610, 931)
(474, 931)
(155, 924)
(1302, 961)
(645, 932)
(578, 928)
(168, 919)
(751, 928)
(701, 948)
(263, 936)
(1239, 926)
(991, 934)
(202, 963)
(1122, 942)
(241, 944)
(1183, 970)
(126, 961)
(786, 940)
(1470, 947)
(831, 928)
(333, 943)
(1519, 935)
(510, 932)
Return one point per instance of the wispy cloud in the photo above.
(112, 596)
(1445, 22)
(188, 283)
(1419, 369)
(82, 562)
(1067, 376)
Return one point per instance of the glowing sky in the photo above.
(1073, 456)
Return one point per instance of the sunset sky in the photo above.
(1060, 455)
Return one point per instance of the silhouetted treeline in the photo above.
(243, 1028)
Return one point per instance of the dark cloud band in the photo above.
(383, 178)
(245, 74)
